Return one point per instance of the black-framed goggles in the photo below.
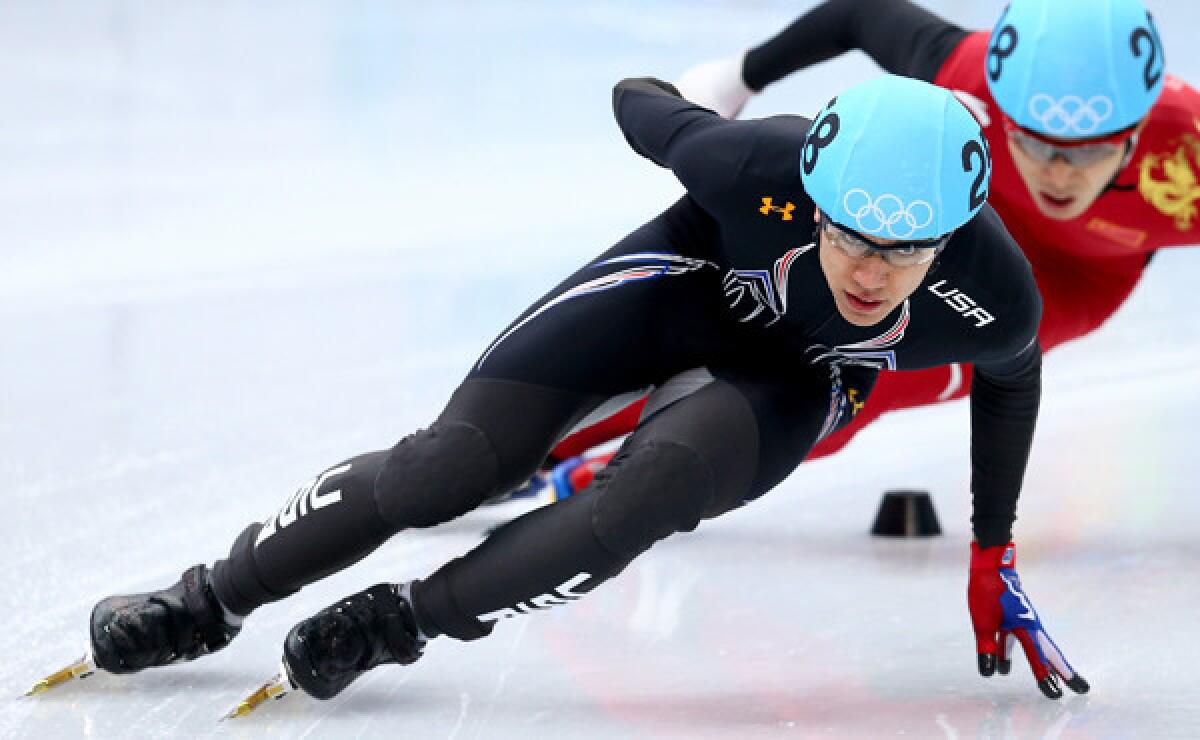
(898, 254)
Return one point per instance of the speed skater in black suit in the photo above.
(806, 258)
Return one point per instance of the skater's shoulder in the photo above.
(771, 147)
(985, 277)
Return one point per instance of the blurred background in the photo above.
(241, 241)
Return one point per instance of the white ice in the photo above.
(242, 241)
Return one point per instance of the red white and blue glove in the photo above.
(1002, 615)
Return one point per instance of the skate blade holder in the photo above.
(907, 513)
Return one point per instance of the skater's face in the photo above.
(865, 287)
(1065, 178)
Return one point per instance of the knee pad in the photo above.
(436, 474)
(649, 491)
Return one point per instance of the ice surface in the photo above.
(239, 242)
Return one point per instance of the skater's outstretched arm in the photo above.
(713, 158)
(1004, 409)
(662, 126)
(901, 37)
(1005, 395)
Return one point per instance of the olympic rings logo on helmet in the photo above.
(1070, 114)
(887, 215)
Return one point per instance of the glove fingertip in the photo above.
(987, 664)
(1077, 684)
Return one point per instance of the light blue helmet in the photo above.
(1075, 69)
(896, 158)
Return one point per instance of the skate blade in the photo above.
(277, 688)
(81, 668)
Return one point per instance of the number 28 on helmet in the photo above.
(898, 159)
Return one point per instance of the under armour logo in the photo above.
(768, 206)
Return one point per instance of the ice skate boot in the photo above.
(179, 623)
(325, 653)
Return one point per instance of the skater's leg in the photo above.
(621, 418)
(703, 455)
(472, 451)
(709, 452)
(500, 424)
(339, 517)
(698, 457)
(496, 429)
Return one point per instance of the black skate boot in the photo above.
(325, 652)
(138, 631)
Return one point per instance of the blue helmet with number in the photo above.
(896, 158)
(1075, 69)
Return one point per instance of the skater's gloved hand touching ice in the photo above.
(717, 86)
(1002, 614)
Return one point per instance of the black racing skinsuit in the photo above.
(727, 279)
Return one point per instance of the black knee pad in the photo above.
(649, 491)
(436, 474)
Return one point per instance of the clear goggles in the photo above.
(1077, 154)
(900, 254)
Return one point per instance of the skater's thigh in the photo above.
(751, 431)
(520, 421)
